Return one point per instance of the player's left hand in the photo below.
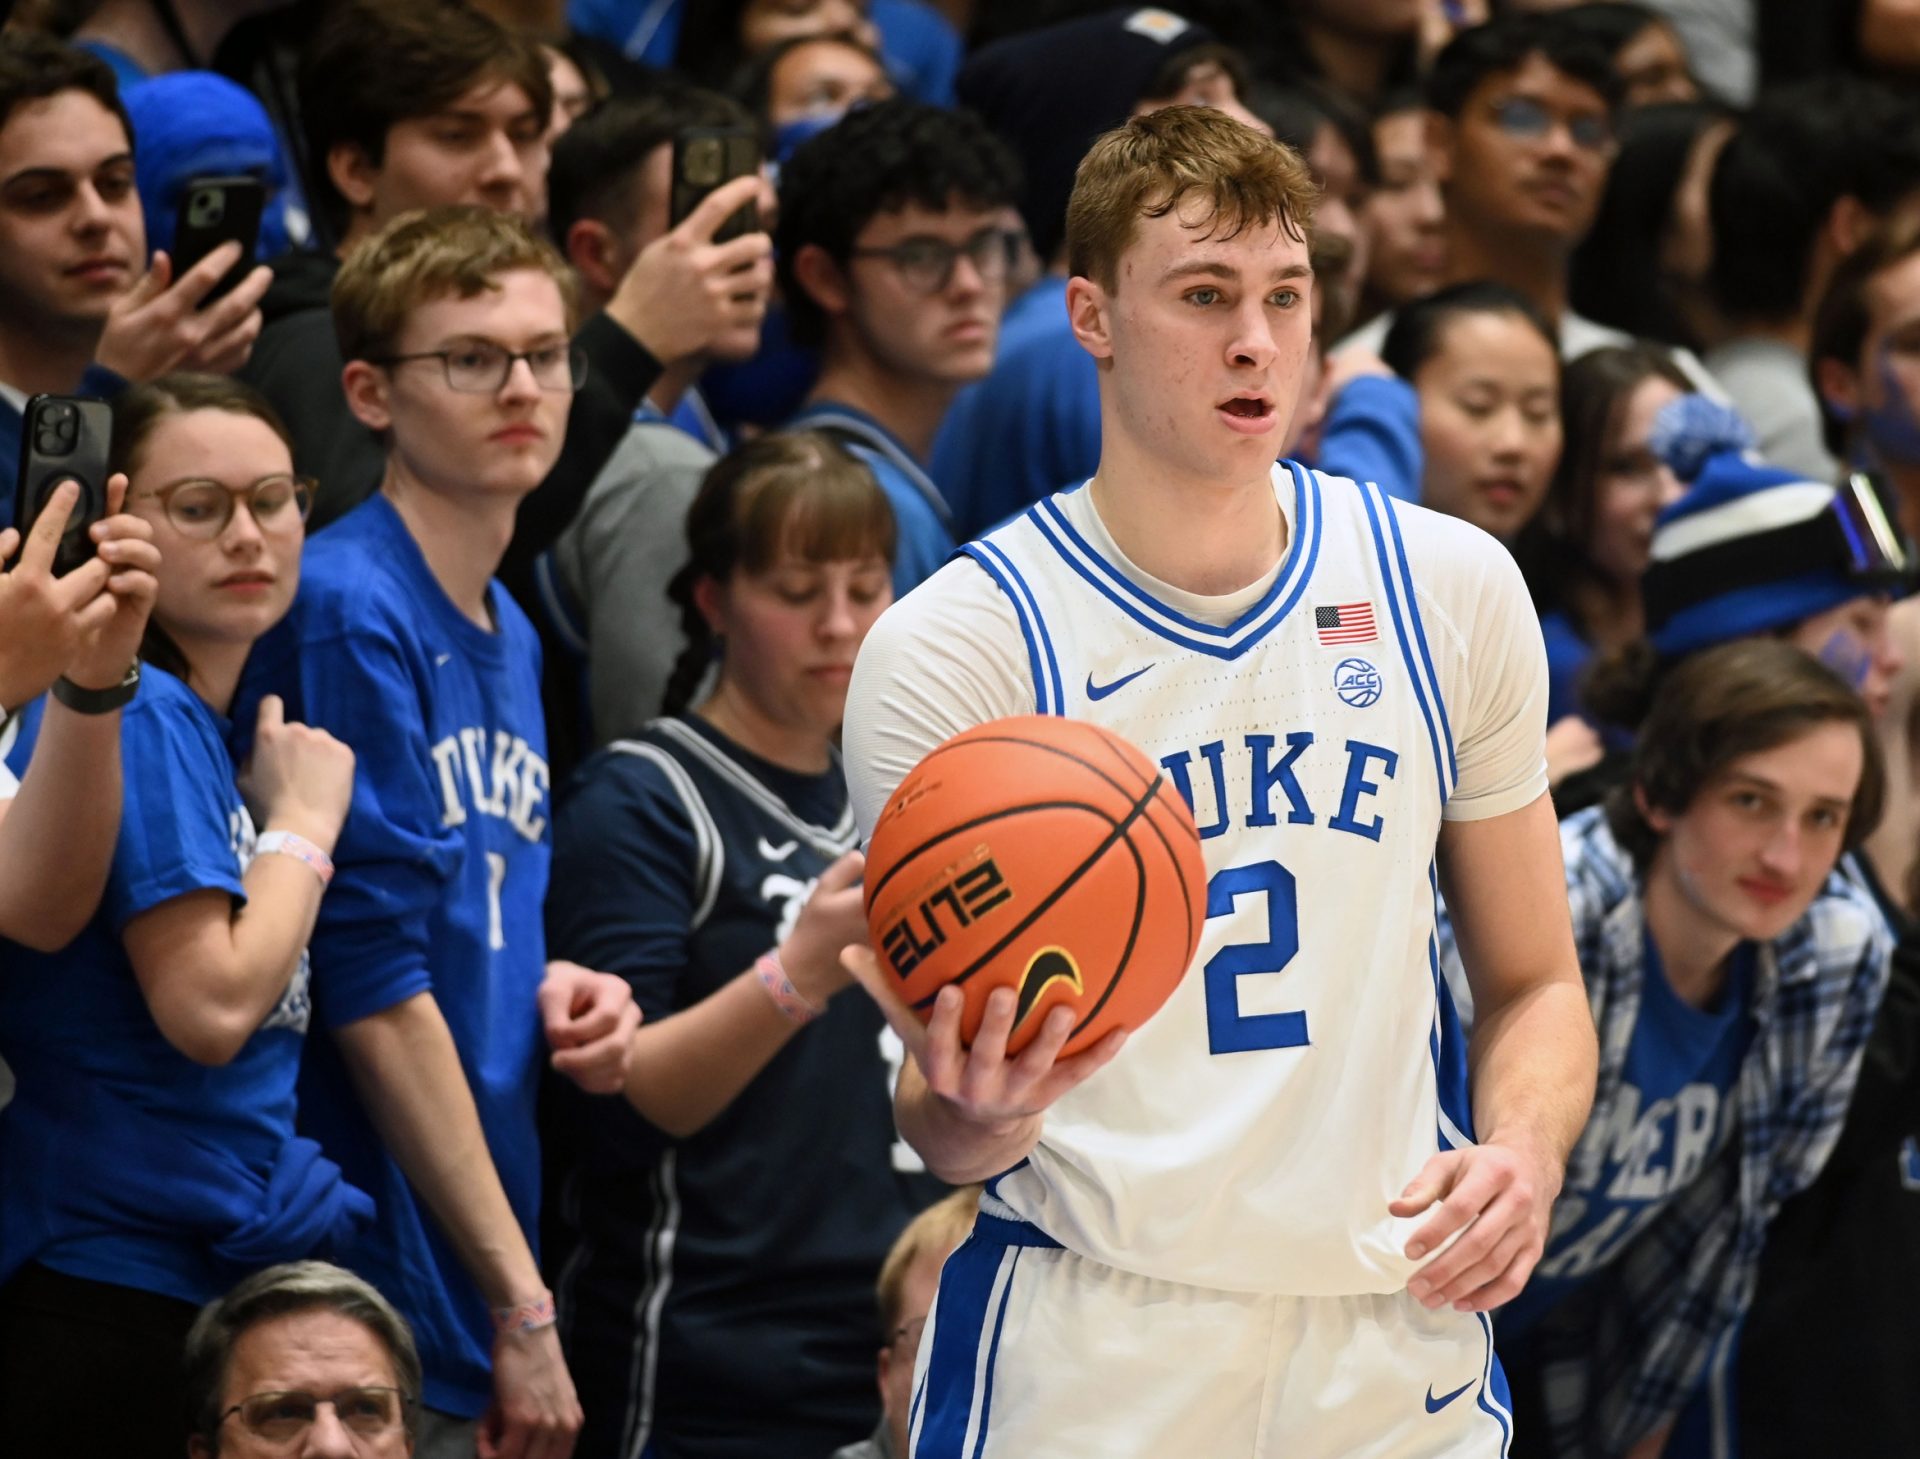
(1497, 1199)
(590, 1018)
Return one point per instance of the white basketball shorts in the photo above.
(1034, 1352)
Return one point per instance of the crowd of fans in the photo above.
(424, 842)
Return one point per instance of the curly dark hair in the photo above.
(874, 160)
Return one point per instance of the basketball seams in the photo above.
(907, 857)
(1007, 767)
(1133, 939)
(966, 738)
(1067, 882)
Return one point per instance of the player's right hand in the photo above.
(981, 1082)
(301, 778)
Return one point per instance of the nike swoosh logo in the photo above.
(1101, 691)
(1049, 966)
(776, 853)
(440, 659)
(1434, 1405)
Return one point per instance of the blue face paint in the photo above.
(1893, 427)
(1847, 656)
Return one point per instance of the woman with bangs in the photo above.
(714, 1246)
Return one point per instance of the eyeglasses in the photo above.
(200, 508)
(482, 368)
(927, 263)
(282, 1418)
(1527, 119)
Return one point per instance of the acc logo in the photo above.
(1357, 682)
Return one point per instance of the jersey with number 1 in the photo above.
(1251, 1135)
(442, 871)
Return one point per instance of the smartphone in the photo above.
(213, 211)
(703, 159)
(62, 437)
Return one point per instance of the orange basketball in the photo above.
(1045, 855)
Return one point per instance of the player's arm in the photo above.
(947, 658)
(1532, 1061)
(1533, 1055)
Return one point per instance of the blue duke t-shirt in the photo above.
(441, 873)
(1677, 1104)
(127, 1162)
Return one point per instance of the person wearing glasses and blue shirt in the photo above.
(893, 254)
(150, 1149)
(431, 977)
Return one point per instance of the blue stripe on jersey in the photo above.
(1023, 612)
(1494, 1397)
(913, 1409)
(1039, 623)
(959, 1322)
(1441, 759)
(993, 1181)
(993, 1356)
(1449, 1046)
(1420, 632)
(1228, 642)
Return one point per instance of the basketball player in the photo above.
(1276, 1225)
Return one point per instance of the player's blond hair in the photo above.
(935, 1231)
(433, 254)
(1161, 161)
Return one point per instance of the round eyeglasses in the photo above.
(482, 368)
(927, 263)
(283, 1417)
(200, 508)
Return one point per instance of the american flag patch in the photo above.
(1348, 623)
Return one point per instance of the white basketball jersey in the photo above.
(1252, 1134)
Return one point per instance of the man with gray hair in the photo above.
(302, 1358)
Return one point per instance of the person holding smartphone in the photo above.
(150, 1149)
(82, 309)
(60, 813)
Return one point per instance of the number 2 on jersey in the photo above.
(1229, 1031)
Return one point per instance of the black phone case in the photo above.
(213, 211)
(64, 436)
(705, 158)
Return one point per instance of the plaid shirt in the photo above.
(1620, 1356)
